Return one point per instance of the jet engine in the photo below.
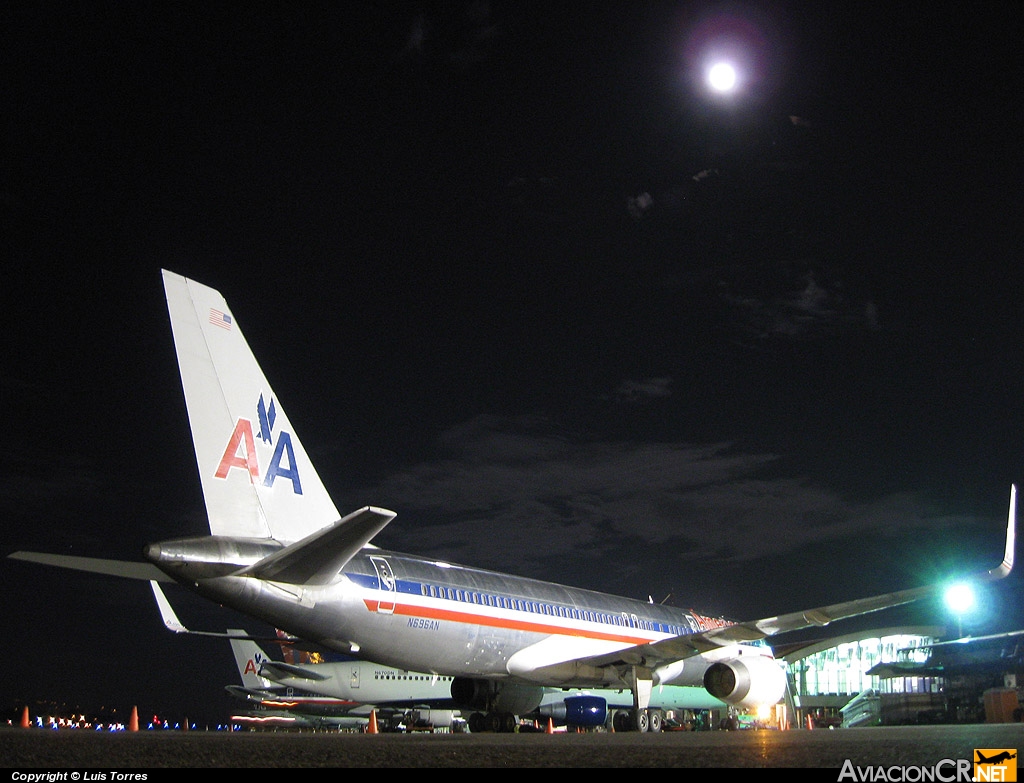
(583, 710)
(746, 682)
(588, 711)
(425, 717)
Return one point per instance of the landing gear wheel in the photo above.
(621, 721)
(642, 720)
(655, 721)
(477, 723)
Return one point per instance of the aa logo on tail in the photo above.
(241, 450)
(252, 666)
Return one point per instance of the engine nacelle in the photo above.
(515, 698)
(746, 682)
(589, 711)
(424, 717)
(669, 672)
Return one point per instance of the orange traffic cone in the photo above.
(372, 728)
(24, 718)
(133, 721)
(810, 723)
(551, 727)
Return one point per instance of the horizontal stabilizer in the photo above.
(249, 694)
(123, 568)
(275, 670)
(319, 558)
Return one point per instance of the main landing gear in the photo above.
(651, 720)
(497, 722)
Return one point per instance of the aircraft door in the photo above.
(388, 585)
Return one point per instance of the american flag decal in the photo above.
(217, 318)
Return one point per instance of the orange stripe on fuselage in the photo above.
(502, 622)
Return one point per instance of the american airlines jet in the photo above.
(341, 693)
(280, 552)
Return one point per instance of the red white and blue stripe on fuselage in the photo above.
(506, 603)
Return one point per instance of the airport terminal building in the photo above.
(904, 675)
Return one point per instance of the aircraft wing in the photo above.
(172, 623)
(666, 651)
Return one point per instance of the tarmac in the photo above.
(945, 750)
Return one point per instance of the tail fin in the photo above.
(248, 657)
(257, 480)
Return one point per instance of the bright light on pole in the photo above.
(960, 600)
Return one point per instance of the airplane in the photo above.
(355, 687)
(400, 698)
(996, 759)
(588, 708)
(280, 552)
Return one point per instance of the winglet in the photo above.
(166, 612)
(172, 622)
(1004, 568)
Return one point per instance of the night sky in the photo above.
(516, 273)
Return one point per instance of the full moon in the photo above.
(722, 77)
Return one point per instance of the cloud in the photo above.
(639, 205)
(643, 390)
(512, 494)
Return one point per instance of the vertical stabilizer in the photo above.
(248, 658)
(257, 479)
